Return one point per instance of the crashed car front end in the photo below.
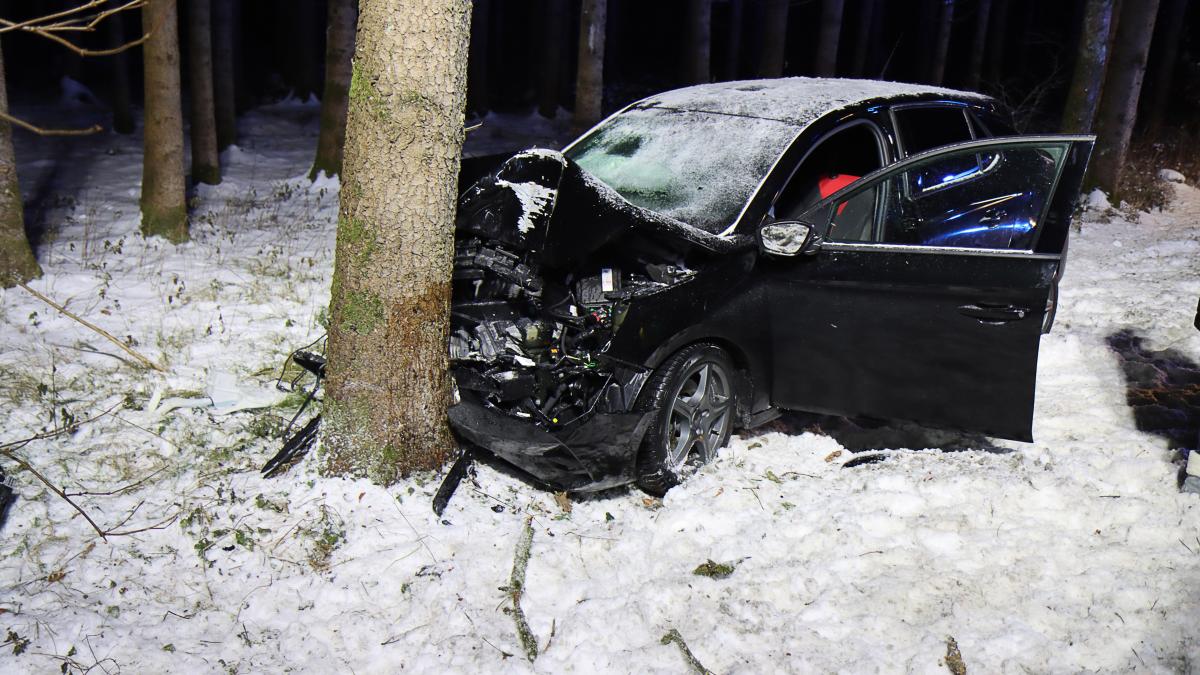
(549, 264)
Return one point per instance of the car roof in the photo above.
(796, 100)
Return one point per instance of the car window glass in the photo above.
(837, 162)
(926, 128)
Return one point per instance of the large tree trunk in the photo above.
(206, 166)
(1122, 86)
(121, 105)
(589, 82)
(388, 387)
(827, 41)
(478, 83)
(941, 45)
(339, 49)
(550, 80)
(224, 86)
(1170, 30)
(17, 262)
(774, 39)
(698, 68)
(164, 207)
(1091, 59)
(864, 38)
(983, 12)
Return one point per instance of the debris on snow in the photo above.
(954, 660)
(694, 665)
(714, 570)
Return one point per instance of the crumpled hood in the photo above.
(541, 202)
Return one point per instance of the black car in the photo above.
(708, 256)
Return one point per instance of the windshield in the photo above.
(697, 167)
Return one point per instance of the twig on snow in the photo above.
(129, 350)
(694, 664)
(17, 121)
(516, 587)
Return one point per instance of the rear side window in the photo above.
(925, 128)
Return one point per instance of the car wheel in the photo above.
(693, 403)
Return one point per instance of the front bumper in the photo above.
(595, 454)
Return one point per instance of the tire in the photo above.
(694, 406)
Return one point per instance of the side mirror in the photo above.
(788, 238)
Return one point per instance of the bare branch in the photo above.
(49, 17)
(95, 128)
(46, 481)
(47, 27)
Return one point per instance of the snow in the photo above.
(533, 196)
(1171, 176)
(1074, 553)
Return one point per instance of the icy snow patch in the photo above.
(1096, 200)
(534, 199)
(1172, 176)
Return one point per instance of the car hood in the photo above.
(542, 203)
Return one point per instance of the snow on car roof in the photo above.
(797, 100)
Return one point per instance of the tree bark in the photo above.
(478, 83)
(864, 38)
(774, 39)
(937, 67)
(121, 105)
(339, 49)
(388, 386)
(550, 77)
(827, 41)
(17, 262)
(224, 84)
(1091, 60)
(698, 68)
(164, 207)
(1170, 27)
(589, 82)
(983, 12)
(206, 166)
(1122, 87)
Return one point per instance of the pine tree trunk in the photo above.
(550, 76)
(983, 12)
(731, 68)
(699, 40)
(224, 16)
(17, 262)
(388, 386)
(864, 39)
(937, 68)
(828, 38)
(478, 83)
(774, 39)
(1170, 27)
(164, 209)
(206, 166)
(339, 49)
(1091, 59)
(589, 82)
(121, 105)
(1122, 87)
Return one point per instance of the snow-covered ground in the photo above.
(1075, 553)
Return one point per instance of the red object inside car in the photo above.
(828, 185)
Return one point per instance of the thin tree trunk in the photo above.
(550, 80)
(827, 40)
(699, 40)
(863, 38)
(224, 89)
(731, 67)
(589, 82)
(164, 209)
(339, 49)
(206, 166)
(17, 262)
(1091, 60)
(937, 68)
(983, 12)
(1122, 86)
(997, 42)
(1171, 23)
(774, 39)
(121, 105)
(478, 83)
(388, 387)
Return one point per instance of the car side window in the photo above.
(924, 128)
(996, 205)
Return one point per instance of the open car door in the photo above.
(928, 297)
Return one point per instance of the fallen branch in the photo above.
(95, 128)
(129, 350)
(29, 467)
(693, 663)
(516, 587)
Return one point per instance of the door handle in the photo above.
(994, 314)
